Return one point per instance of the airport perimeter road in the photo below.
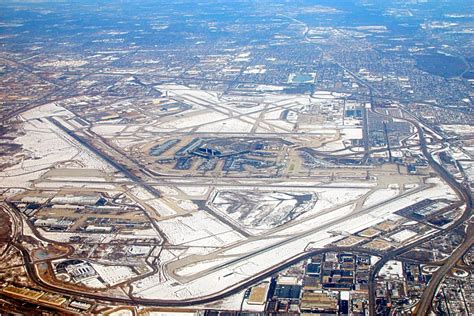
(460, 190)
(198, 300)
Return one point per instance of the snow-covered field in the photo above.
(392, 269)
(113, 275)
(230, 125)
(201, 266)
(257, 210)
(314, 233)
(46, 146)
(403, 235)
(459, 129)
(196, 191)
(331, 197)
(210, 254)
(158, 205)
(77, 185)
(198, 229)
(351, 133)
(195, 120)
(108, 129)
(252, 246)
(380, 195)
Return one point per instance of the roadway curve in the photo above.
(31, 270)
(426, 300)
(463, 193)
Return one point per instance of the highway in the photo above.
(463, 193)
(135, 179)
(426, 300)
(200, 300)
(31, 270)
(44, 99)
(423, 308)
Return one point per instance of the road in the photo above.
(296, 236)
(200, 300)
(428, 295)
(237, 287)
(31, 270)
(463, 193)
(44, 99)
(137, 180)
